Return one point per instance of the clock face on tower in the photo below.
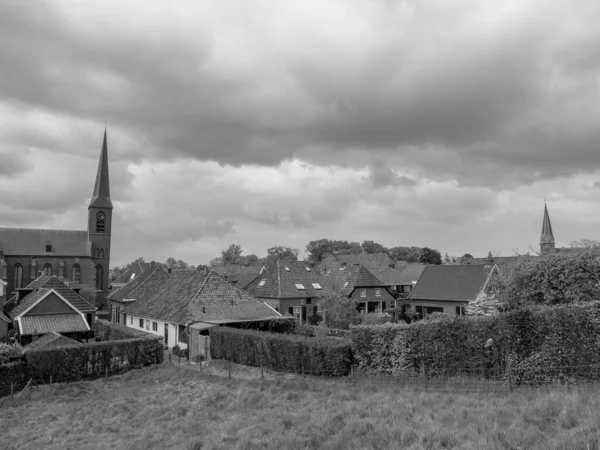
(100, 216)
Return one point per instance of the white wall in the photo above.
(160, 329)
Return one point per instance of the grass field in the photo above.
(170, 407)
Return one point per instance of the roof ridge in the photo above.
(278, 279)
(42, 229)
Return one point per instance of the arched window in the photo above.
(47, 270)
(99, 277)
(18, 277)
(100, 226)
(76, 274)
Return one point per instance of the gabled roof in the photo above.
(40, 287)
(51, 340)
(4, 317)
(61, 323)
(367, 279)
(133, 272)
(368, 260)
(240, 275)
(189, 295)
(283, 279)
(451, 282)
(137, 287)
(101, 194)
(32, 242)
(411, 274)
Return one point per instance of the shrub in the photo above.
(375, 318)
(304, 329)
(175, 350)
(282, 352)
(7, 352)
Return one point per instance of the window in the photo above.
(132, 276)
(48, 248)
(47, 270)
(154, 326)
(363, 292)
(377, 292)
(307, 269)
(182, 334)
(392, 303)
(18, 277)
(99, 253)
(99, 277)
(298, 312)
(141, 323)
(276, 309)
(345, 284)
(76, 274)
(406, 288)
(287, 269)
(460, 310)
(308, 301)
(394, 288)
(300, 286)
(131, 320)
(433, 309)
(99, 226)
(148, 325)
(262, 283)
(61, 268)
(316, 286)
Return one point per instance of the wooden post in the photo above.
(50, 380)
(262, 375)
(12, 390)
(106, 372)
(424, 374)
(303, 377)
(179, 358)
(170, 354)
(509, 376)
(353, 376)
(229, 367)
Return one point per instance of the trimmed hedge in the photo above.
(12, 373)
(282, 352)
(541, 346)
(109, 331)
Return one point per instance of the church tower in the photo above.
(547, 238)
(100, 226)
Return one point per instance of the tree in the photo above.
(318, 249)
(557, 278)
(232, 254)
(116, 271)
(373, 247)
(430, 256)
(178, 264)
(585, 243)
(408, 254)
(484, 305)
(280, 252)
(339, 311)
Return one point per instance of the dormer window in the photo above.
(262, 283)
(300, 287)
(287, 269)
(316, 286)
(48, 247)
(345, 284)
(308, 269)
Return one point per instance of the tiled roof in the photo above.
(368, 260)
(451, 282)
(4, 317)
(189, 295)
(14, 308)
(281, 278)
(32, 242)
(411, 274)
(134, 271)
(136, 288)
(366, 278)
(240, 275)
(61, 323)
(51, 340)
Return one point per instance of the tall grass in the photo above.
(171, 407)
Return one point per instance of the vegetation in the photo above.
(171, 407)
(282, 352)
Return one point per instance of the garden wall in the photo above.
(282, 352)
(533, 346)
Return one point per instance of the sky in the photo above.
(433, 123)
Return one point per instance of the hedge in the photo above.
(12, 373)
(540, 346)
(282, 352)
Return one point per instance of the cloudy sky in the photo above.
(276, 122)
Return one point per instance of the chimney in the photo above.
(169, 270)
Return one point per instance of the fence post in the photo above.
(170, 354)
(50, 380)
(179, 358)
(424, 372)
(303, 371)
(509, 376)
(229, 367)
(353, 376)
(106, 372)
(262, 375)
(12, 390)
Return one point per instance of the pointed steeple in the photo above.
(547, 236)
(101, 195)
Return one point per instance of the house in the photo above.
(368, 260)
(48, 305)
(138, 288)
(51, 340)
(189, 300)
(449, 288)
(80, 256)
(369, 292)
(290, 287)
(399, 281)
(136, 269)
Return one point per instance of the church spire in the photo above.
(101, 195)
(547, 237)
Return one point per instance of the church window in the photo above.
(76, 274)
(100, 226)
(99, 277)
(99, 253)
(47, 270)
(18, 277)
(48, 248)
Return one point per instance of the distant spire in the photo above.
(547, 236)
(101, 195)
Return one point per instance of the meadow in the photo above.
(175, 407)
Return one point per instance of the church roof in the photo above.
(32, 242)
(547, 236)
(101, 194)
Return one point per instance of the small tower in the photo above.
(100, 225)
(547, 244)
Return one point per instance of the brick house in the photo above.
(449, 288)
(290, 287)
(48, 305)
(370, 293)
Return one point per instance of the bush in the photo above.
(282, 352)
(542, 346)
(7, 353)
(375, 318)
(304, 329)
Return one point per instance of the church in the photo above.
(79, 257)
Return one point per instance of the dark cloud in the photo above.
(13, 164)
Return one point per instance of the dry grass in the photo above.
(177, 407)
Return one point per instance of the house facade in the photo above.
(81, 257)
(369, 292)
(291, 288)
(449, 288)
